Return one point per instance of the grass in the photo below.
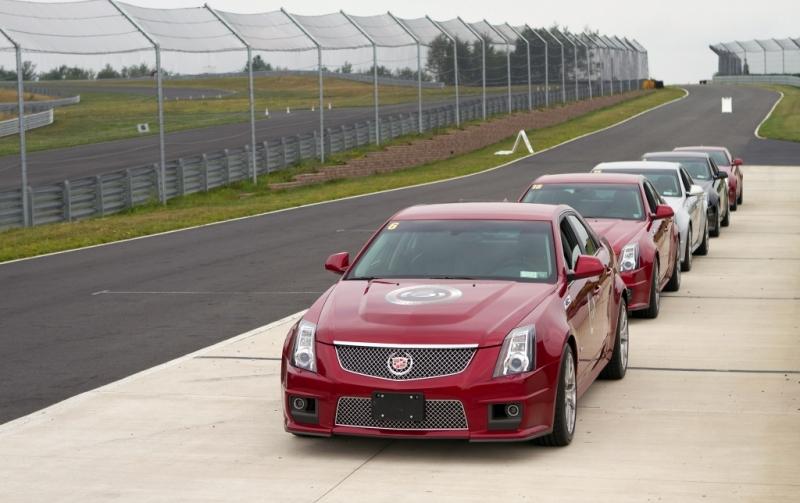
(248, 199)
(784, 123)
(105, 116)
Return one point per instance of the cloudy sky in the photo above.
(676, 33)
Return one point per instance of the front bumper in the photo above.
(474, 389)
(638, 284)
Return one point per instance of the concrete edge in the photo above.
(686, 91)
(15, 424)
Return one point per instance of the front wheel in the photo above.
(714, 232)
(703, 248)
(686, 265)
(740, 200)
(727, 220)
(674, 283)
(655, 295)
(618, 364)
(566, 406)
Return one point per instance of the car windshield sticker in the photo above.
(392, 226)
(532, 274)
(536, 187)
(423, 294)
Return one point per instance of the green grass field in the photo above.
(105, 116)
(784, 123)
(247, 199)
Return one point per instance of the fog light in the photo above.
(512, 410)
(299, 404)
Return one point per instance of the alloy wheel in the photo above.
(570, 395)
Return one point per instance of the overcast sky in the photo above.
(676, 33)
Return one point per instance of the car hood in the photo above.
(402, 312)
(617, 232)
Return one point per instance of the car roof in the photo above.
(674, 154)
(481, 211)
(591, 178)
(697, 147)
(638, 165)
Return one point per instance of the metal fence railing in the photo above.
(33, 121)
(40, 106)
(120, 190)
(785, 80)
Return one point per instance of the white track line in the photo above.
(356, 196)
(19, 422)
(767, 117)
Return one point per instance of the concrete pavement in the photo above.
(709, 411)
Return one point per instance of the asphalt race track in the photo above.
(53, 166)
(74, 321)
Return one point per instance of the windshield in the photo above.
(697, 167)
(460, 249)
(665, 181)
(720, 157)
(601, 200)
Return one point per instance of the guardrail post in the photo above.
(180, 179)
(247, 152)
(98, 198)
(329, 132)
(299, 149)
(128, 188)
(28, 193)
(66, 201)
(228, 166)
(205, 172)
(157, 177)
(266, 157)
(316, 144)
(284, 160)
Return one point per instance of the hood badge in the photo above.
(399, 363)
(422, 294)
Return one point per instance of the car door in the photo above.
(694, 207)
(600, 289)
(660, 230)
(577, 299)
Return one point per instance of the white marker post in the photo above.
(727, 105)
(521, 136)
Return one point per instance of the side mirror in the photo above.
(586, 266)
(722, 174)
(737, 162)
(338, 262)
(696, 191)
(663, 211)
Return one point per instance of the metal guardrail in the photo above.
(33, 121)
(38, 106)
(785, 80)
(121, 190)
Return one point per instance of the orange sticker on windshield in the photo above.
(392, 226)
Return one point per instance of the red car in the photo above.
(627, 211)
(479, 321)
(726, 162)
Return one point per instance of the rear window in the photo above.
(719, 156)
(665, 181)
(592, 200)
(698, 168)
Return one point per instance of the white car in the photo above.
(688, 201)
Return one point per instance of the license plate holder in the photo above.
(398, 407)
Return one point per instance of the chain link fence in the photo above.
(476, 70)
(774, 56)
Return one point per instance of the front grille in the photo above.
(426, 362)
(439, 415)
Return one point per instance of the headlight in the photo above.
(516, 355)
(304, 356)
(629, 259)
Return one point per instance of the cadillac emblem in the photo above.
(399, 363)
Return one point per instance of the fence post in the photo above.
(129, 187)
(228, 166)
(28, 196)
(205, 173)
(98, 200)
(266, 157)
(299, 150)
(180, 180)
(67, 201)
(284, 162)
(316, 144)
(250, 174)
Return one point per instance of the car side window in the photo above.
(569, 242)
(651, 195)
(714, 168)
(587, 242)
(687, 180)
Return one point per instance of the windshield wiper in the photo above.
(450, 277)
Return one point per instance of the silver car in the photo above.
(687, 200)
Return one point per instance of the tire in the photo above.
(686, 264)
(740, 200)
(703, 248)
(618, 365)
(655, 296)
(727, 220)
(566, 399)
(674, 283)
(734, 205)
(714, 232)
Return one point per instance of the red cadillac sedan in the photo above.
(628, 211)
(727, 163)
(478, 321)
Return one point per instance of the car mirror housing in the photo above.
(663, 211)
(338, 262)
(722, 175)
(696, 190)
(586, 266)
(737, 162)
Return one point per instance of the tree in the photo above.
(347, 67)
(65, 72)
(259, 65)
(108, 72)
(135, 71)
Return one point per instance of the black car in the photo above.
(704, 172)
